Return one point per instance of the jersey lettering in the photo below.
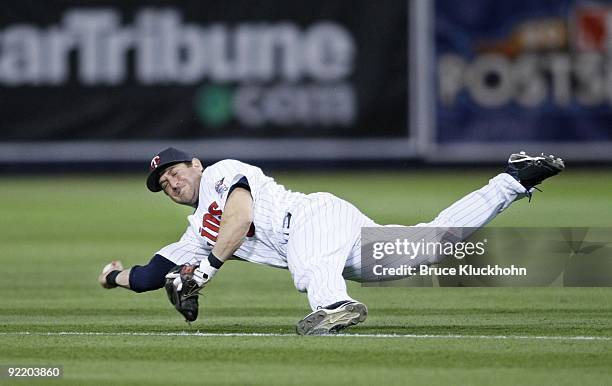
(214, 209)
(212, 221)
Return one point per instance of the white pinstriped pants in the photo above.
(324, 246)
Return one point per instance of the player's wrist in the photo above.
(214, 261)
(111, 279)
(207, 269)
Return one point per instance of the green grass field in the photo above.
(57, 232)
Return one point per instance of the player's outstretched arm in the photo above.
(235, 224)
(184, 282)
(139, 278)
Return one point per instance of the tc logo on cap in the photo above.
(155, 162)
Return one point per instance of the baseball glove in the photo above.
(183, 290)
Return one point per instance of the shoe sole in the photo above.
(324, 322)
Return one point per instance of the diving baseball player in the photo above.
(242, 213)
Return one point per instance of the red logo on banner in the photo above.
(592, 28)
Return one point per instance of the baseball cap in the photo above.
(161, 162)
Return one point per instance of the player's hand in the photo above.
(204, 273)
(114, 265)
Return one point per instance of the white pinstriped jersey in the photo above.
(324, 246)
(266, 240)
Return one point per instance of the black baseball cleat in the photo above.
(333, 318)
(531, 171)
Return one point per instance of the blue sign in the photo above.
(517, 71)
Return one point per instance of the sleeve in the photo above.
(234, 173)
(242, 183)
(186, 250)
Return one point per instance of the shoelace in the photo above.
(530, 194)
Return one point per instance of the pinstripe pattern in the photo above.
(322, 247)
(323, 232)
(270, 203)
(469, 213)
(479, 207)
(187, 250)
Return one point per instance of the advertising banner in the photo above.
(512, 73)
(201, 70)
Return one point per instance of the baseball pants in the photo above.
(324, 246)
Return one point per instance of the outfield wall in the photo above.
(323, 81)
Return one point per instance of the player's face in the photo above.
(181, 182)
